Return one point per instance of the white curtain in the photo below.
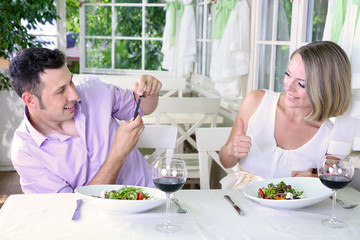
(179, 44)
(346, 133)
(230, 53)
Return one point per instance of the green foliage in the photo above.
(128, 53)
(14, 36)
(72, 16)
(129, 21)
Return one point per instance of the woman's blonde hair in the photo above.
(328, 79)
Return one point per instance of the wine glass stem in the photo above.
(333, 212)
(168, 196)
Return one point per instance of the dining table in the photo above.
(208, 216)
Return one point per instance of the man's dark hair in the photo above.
(26, 67)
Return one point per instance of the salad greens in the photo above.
(126, 193)
(280, 191)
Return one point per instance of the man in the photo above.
(70, 135)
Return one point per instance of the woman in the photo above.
(285, 134)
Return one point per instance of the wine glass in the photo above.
(335, 172)
(169, 175)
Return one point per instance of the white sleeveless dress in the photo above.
(265, 158)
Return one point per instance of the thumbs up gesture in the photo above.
(241, 143)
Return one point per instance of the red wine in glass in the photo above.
(169, 184)
(169, 175)
(335, 172)
(334, 181)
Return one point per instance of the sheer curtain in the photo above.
(230, 53)
(343, 26)
(179, 44)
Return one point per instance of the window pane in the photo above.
(266, 19)
(98, 1)
(317, 11)
(208, 58)
(281, 63)
(156, 1)
(284, 20)
(200, 22)
(264, 66)
(128, 1)
(128, 54)
(199, 57)
(98, 21)
(98, 53)
(129, 21)
(210, 19)
(153, 55)
(155, 21)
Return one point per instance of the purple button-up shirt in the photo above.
(60, 163)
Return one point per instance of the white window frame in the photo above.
(143, 38)
(298, 36)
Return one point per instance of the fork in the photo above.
(180, 209)
(345, 206)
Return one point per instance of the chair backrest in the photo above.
(209, 142)
(162, 138)
(186, 114)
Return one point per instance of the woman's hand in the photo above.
(241, 144)
(303, 174)
(237, 147)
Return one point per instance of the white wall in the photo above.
(11, 114)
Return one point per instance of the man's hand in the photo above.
(126, 137)
(147, 85)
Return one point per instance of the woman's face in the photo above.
(295, 83)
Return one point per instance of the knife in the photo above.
(77, 210)
(239, 211)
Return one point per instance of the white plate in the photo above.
(115, 206)
(314, 192)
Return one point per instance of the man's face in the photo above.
(58, 96)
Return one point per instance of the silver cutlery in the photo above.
(345, 206)
(76, 214)
(180, 209)
(238, 210)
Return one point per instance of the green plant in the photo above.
(17, 17)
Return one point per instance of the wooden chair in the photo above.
(162, 138)
(187, 114)
(209, 141)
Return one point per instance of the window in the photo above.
(205, 13)
(281, 26)
(121, 36)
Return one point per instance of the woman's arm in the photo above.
(238, 145)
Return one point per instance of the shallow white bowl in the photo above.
(115, 206)
(314, 192)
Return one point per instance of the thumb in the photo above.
(241, 126)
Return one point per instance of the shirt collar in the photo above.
(36, 135)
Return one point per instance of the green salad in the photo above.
(126, 193)
(280, 191)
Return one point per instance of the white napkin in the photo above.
(239, 179)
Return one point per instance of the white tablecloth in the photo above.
(209, 216)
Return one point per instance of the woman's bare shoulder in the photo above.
(254, 98)
(250, 104)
